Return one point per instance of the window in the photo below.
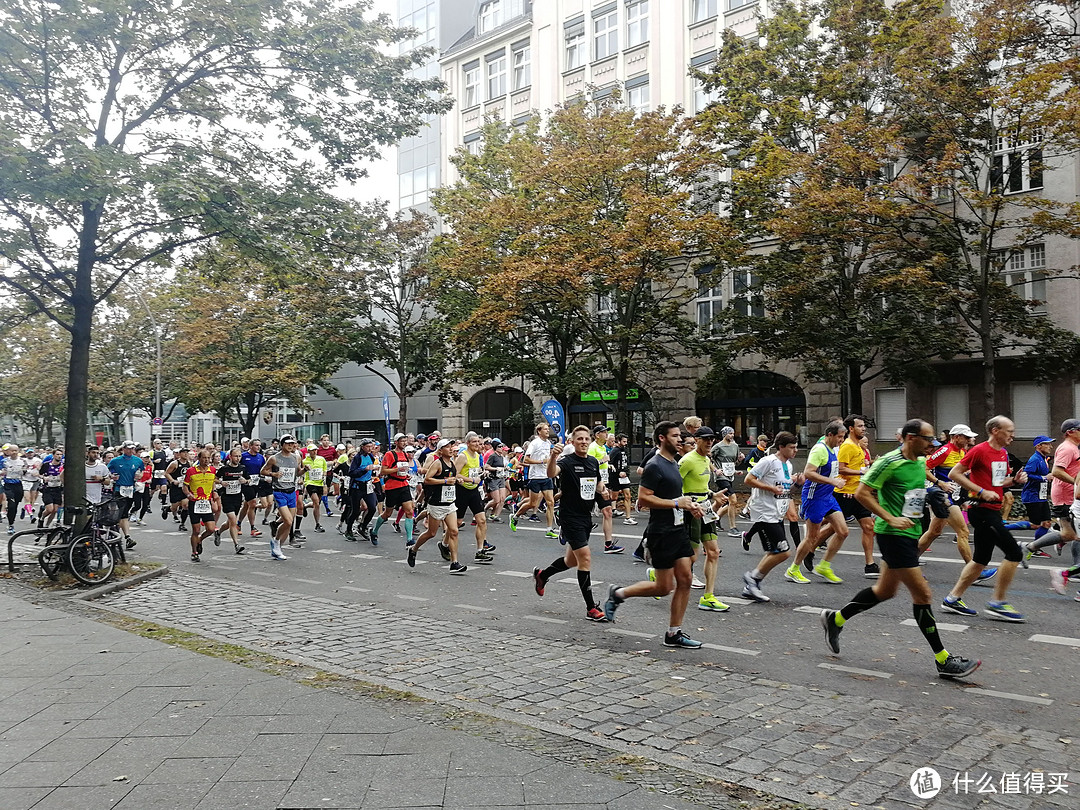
(703, 10)
(637, 98)
(606, 309)
(637, 22)
(950, 406)
(471, 96)
(575, 45)
(522, 57)
(702, 97)
(710, 303)
(474, 143)
(1031, 410)
(606, 34)
(734, 4)
(491, 16)
(744, 298)
(414, 187)
(496, 75)
(1025, 273)
(890, 412)
(1017, 164)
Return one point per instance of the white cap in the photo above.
(244, 439)
(399, 436)
(410, 449)
(340, 447)
(963, 430)
(444, 443)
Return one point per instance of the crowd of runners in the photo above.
(434, 488)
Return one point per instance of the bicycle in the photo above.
(91, 555)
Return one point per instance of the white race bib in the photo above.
(624, 478)
(709, 515)
(202, 508)
(679, 516)
(588, 488)
(449, 492)
(999, 471)
(140, 486)
(232, 487)
(784, 496)
(159, 473)
(834, 469)
(1043, 486)
(316, 475)
(288, 475)
(913, 503)
(728, 469)
(127, 492)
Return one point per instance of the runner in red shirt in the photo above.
(984, 471)
(396, 466)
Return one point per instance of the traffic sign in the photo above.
(157, 420)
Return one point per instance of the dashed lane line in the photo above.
(953, 628)
(634, 633)
(411, 598)
(518, 574)
(544, 619)
(470, 607)
(808, 609)
(366, 556)
(263, 574)
(871, 673)
(307, 581)
(328, 551)
(355, 589)
(1065, 641)
(736, 650)
(1009, 696)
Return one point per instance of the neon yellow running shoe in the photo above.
(824, 570)
(651, 574)
(793, 574)
(710, 602)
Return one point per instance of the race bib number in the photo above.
(679, 516)
(784, 496)
(140, 486)
(587, 488)
(288, 475)
(203, 508)
(403, 466)
(914, 499)
(159, 473)
(127, 492)
(503, 472)
(316, 475)
(53, 482)
(1043, 486)
(232, 487)
(709, 515)
(834, 469)
(999, 470)
(448, 494)
(728, 469)
(624, 478)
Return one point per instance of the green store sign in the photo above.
(607, 396)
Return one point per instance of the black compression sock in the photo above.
(863, 600)
(556, 567)
(584, 581)
(924, 616)
(793, 530)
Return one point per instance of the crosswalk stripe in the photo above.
(519, 574)
(1008, 696)
(952, 628)
(1062, 640)
(736, 650)
(873, 673)
(327, 551)
(544, 619)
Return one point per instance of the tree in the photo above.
(132, 130)
(586, 230)
(32, 384)
(803, 133)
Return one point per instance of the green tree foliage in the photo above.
(32, 382)
(130, 130)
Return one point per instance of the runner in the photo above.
(52, 488)
(770, 483)
(440, 485)
(230, 476)
(125, 467)
(498, 471)
(253, 460)
(31, 482)
(199, 490)
(726, 455)
(599, 450)
(14, 467)
(819, 506)
(537, 455)
(668, 536)
(314, 468)
(362, 491)
(174, 476)
(695, 468)
(144, 489)
(395, 470)
(282, 468)
(894, 489)
(853, 464)
(1035, 494)
(581, 482)
(619, 479)
(469, 466)
(985, 473)
(1064, 475)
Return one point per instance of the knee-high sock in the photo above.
(408, 527)
(1039, 532)
(1048, 539)
(378, 524)
(924, 616)
(793, 530)
(863, 600)
(556, 567)
(584, 581)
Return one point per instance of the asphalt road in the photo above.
(1028, 669)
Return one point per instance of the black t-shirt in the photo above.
(578, 477)
(663, 478)
(228, 473)
(618, 462)
(160, 461)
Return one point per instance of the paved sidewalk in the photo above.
(806, 744)
(95, 717)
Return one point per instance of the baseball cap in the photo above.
(420, 437)
(963, 430)
(245, 439)
(1041, 440)
(1070, 424)
(340, 447)
(598, 429)
(705, 432)
(443, 443)
(313, 446)
(496, 443)
(410, 449)
(399, 436)
(366, 441)
(128, 444)
(287, 438)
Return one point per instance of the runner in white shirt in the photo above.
(96, 473)
(770, 481)
(539, 485)
(31, 482)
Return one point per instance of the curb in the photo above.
(111, 587)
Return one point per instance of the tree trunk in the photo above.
(115, 420)
(854, 389)
(989, 372)
(49, 426)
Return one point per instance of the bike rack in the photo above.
(11, 564)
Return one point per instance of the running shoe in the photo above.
(832, 632)
(458, 568)
(277, 555)
(562, 539)
(1027, 554)
(535, 518)
(538, 582)
(488, 547)
(195, 558)
(793, 574)
(198, 548)
(350, 537)
(595, 615)
(410, 542)
(680, 639)
(710, 602)
(808, 562)
(494, 519)
(444, 551)
(985, 576)
(1077, 597)
(1003, 611)
(483, 558)
(411, 560)
(397, 528)
(129, 544)
(824, 570)
(955, 604)
(298, 535)
(551, 533)
(696, 583)
(752, 588)
(614, 548)
(638, 557)
(650, 573)
(956, 666)
(238, 549)
(513, 523)
(1059, 580)
(319, 529)
(329, 513)
(164, 513)
(255, 532)
(374, 538)
(734, 532)
(630, 522)
(871, 571)
(745, 541)
(611, 604)
(217, 537)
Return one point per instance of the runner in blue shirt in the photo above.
(124, 468)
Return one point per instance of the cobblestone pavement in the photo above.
(805, 744)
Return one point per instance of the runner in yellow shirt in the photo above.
(852, 460)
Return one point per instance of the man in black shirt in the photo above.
(580, 483)
(619, 478)
(668, 536)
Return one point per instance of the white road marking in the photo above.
(574, 580)
(873, 673)
(597, 531)
(518, 574)
(808, 609)
(327, 551)
(736, 650)
(1010, 696)
(735, 600)
(633, 633)
(544, 619)
(307, 581)
(263, 574)
(418, 562)
(955, 628)
(151, 531)
(365, 556)
(470, 607)
(1065, 641)
(357, 590)
(411, 598)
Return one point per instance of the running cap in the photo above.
(367, 441)
(144, 454)
(444, 443)
(313, 447)
(1069, 425)
(496, 443)
(340, 447)
(399, 436)
(1041, 440)
(434, 435)
(287, 438)
(598, 429)
(727, 431)
(410, 449)
(705, 432)
(420, 437)
(128, 444)
(963, 430)
(244, 439)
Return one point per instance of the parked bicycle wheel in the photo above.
(90, 560)
(52, 559)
